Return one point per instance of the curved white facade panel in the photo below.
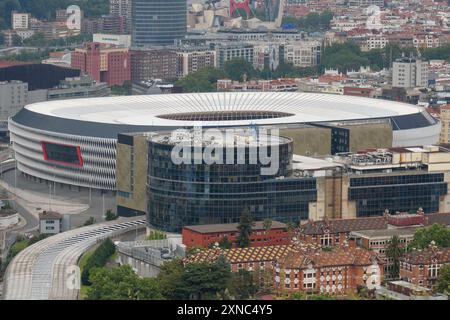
(417, 137)
(99, 157)
(74, 141)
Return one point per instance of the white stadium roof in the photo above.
(294, 107)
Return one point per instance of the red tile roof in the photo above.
(337, 256)
(429, 255)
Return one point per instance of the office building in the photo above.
(104, 63)
(158, 22)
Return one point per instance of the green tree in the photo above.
(443, 281)
(242, 285)
(16, 41)
(440, 234)
(245, 229)
(169, 278)
(200, 281)
(267, 225)
(394, 251)
(36, 40)
(224, 243)
(156, 235)
(236, 68)
(89, 221)
(440, 53)
(110, 215)
(121, 283)
(203, 80)
(98, 259)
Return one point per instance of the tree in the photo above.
(89, 221)
(36, 40)
(203, 80)
(156, 235)
(440, 234)
(245, 229)
(224, 243)
(199, 281)
(2, 39)
(121, 283)
(242, 285)
(169, 278)
(110, 215)
(98, 259)
(267, 225)
(443, 281)
(16, 41)
(394, 252)
(236, 68)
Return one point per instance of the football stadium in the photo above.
(74, 142)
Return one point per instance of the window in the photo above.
(326, 240)
(433, 270)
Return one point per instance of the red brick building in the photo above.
(204, 235)
(331, 232)
(104, 63)
(259, 260)
(335, 272)
(421, 267)
(302, 267)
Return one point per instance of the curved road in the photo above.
(41, 271)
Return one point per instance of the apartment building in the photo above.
(409, 73)
(192, 60)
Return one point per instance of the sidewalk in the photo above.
(35, 202)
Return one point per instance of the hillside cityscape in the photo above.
(257, 150)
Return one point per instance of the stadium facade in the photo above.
(74, 142)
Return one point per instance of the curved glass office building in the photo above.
(193, 194)
(158, 22)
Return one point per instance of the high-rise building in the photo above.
(114, 24)
(153, 64)
(20, 20)
(121, 8)
(409, 73)
(158, 22)
(103, 63)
